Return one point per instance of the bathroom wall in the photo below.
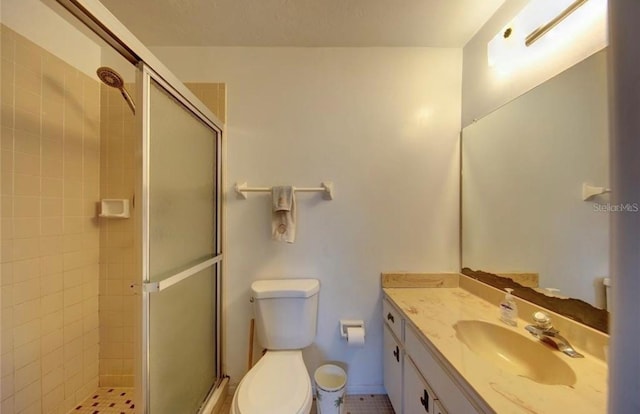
(118, 271)
(484, 89)
(50, 237)
(382, 124)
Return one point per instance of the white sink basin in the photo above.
(515, 353)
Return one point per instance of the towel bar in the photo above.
(326, 188)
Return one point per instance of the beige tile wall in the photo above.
(50, 143)
(213, 95)
(118, 270)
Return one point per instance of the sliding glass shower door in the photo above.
(181, 252)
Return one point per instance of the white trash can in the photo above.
(331, 381)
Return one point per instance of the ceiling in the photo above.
(304, 23)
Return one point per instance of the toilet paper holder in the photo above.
(350, 323)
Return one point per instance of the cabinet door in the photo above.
(438, 408)
(417, 396)
(392, 364)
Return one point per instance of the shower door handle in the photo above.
(151, 287)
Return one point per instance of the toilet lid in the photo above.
(278, 384)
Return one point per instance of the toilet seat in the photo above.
(278, 384)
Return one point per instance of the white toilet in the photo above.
(286, 313)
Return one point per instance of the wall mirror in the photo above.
(523, 171)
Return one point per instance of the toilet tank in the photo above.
(286, 312)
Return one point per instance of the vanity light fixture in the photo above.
(542, 30)
(549, 30)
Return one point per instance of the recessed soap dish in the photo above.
(114, 208)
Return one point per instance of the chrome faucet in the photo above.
(547, 333)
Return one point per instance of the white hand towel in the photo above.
(283, 217)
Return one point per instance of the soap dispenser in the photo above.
(509, 309)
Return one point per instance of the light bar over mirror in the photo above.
(547, 28)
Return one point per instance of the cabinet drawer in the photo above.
(450, 396)
(393, 319)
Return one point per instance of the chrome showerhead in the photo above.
(113, 79)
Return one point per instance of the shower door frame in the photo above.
(145, 76)
(95, 16)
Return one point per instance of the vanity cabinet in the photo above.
(448, 393)
(415, 381)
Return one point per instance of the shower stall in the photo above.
(96, 301)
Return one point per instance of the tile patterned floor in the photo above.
(107, 401)
(120, 401)
(355, 404)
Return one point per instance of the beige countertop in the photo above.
(434, 311)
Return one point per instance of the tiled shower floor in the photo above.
(107, 401)
(355, 404)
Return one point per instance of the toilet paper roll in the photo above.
(355, 336)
